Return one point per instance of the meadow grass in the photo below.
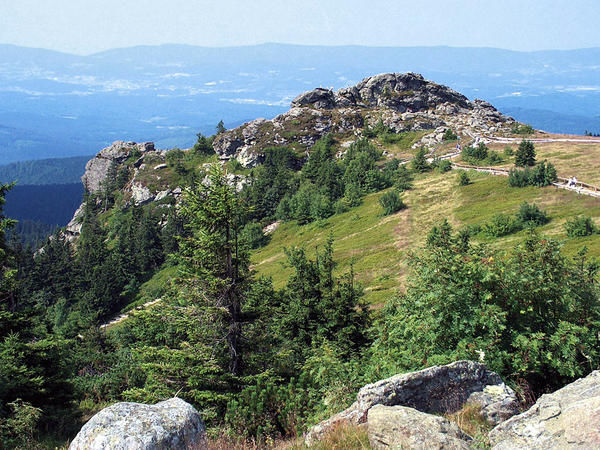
(377, 246)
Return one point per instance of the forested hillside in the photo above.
(272, 270)
(45, 171)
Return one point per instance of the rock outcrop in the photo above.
(404, 102)
(97, 168)
(567, 418)
(437, 389)
(402, 427)
(141, 162)
(172, 424)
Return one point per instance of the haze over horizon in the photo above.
(88, 27)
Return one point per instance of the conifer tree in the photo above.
(213, 260)
(525, 155)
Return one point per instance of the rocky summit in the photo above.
(402, 102)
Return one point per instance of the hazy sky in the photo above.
(88, 26)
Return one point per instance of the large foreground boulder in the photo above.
(567, 418)
(402, 427)
(437, 389)
(172, 424)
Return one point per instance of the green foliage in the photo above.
(391, 203)
(465, 300)
(270, 182)
(580, 226)
(321, 306)
(525, 155)
(508, 151)
(493, 158)
(235, 165)
(449, 135)
(253, 236)
(419, 162)
(444, 166)
(213, 261)
(203, 145)
(501, 225)
(463, 178)
(528, 216)
(543, 174)
(478, 153)
(518, 128)
(378, 130)
(220, 128)
(19, 429)
(531, 215)
(175, 158)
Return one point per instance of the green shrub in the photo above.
(403, 179)
(518, 178)
(501, 225)
(525, 155)
(352, 195)
(390, 137)
(419, 162)
(252, 236)
(18, 430)
(444, 166)
(449, 135)
(508, 151)
(531, 314)
(391, 203)
(518, 128)
(235, 165)
(493, 158)
(203, 145)
(580, 226)
(340, 207)
(544, 174)
(531, 215)
(478, 153)
(463, 178)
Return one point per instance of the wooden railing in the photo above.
(580, 187)
(589, 187)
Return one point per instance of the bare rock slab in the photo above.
(402, 427)
(172, 424)
(566, 419)
(437, 389)
(442, 389)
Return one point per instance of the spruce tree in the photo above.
(214, 263)
(525, 154)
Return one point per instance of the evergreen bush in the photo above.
(525, 155)
(463, 178)
(391, 203)
(580, 226)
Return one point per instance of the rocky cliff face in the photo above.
(404, 102)
(141, 169)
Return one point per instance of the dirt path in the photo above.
(121, 317)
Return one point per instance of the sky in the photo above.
(89, 26)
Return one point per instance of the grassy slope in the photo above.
(377, 246)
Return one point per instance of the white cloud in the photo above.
(253, 101)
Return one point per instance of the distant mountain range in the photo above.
(57, 105)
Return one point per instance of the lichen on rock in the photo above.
(169, 425)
